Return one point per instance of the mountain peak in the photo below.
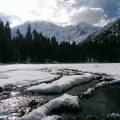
(83, 23)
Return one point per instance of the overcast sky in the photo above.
(61, 12)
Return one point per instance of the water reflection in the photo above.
(10, 107)
(106, 100)
(112, 94)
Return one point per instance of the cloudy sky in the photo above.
(61, 12)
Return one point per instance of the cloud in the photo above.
(102, 22)
(65, 4)
(118, 6)
(61, 12)
(4, 17)
(68, 12)
(56, 11)
(86, 14)
(11, 18)
(17, 12)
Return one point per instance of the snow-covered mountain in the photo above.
(69, 33)
(110, 32)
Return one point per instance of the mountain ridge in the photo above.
(103, 46)
(70, 33)
(112, 29)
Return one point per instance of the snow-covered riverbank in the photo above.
(56, 78)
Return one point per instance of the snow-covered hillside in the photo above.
(69, 33)
(111, 31)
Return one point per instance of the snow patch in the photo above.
(11, 77)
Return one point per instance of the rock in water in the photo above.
(1, 89)
(33, 103)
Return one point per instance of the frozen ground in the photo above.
(55, 78)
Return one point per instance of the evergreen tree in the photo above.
(2, 31)
(17, 44)
(28, 44)
(6, 44)
(54, 50)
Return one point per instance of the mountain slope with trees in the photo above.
(103, 46)
(34, 47)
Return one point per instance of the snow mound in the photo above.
(61, 84)
(114, 82)
(106, 83)
(101, 84)
(89, 91)
(41, 112)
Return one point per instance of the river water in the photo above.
(105, 100)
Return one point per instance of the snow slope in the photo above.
(68, 33)
(110, 31)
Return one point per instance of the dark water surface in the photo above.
(105, 100)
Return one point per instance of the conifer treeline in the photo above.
(35, 48)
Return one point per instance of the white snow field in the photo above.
(41, 112)
(18, 75)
